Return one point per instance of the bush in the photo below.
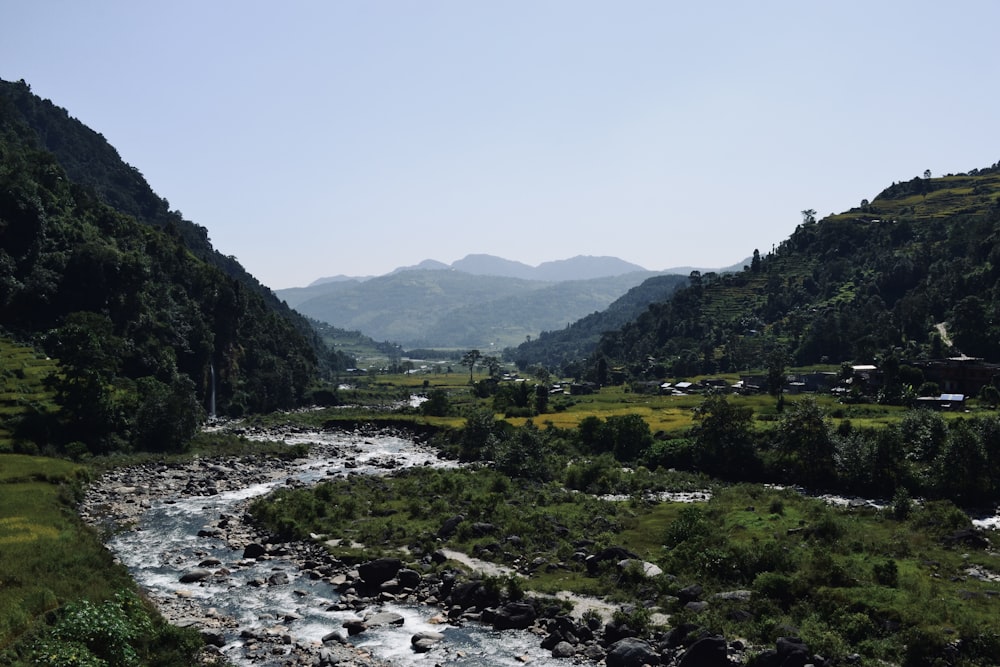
(886, 574)
(97, 634)
(775, 586)
(635, 617)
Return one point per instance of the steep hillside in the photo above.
(560, 349)
(145, 331)
(871, 284)
(91, 162)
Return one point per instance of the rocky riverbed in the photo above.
(120, 498)
(294, 626)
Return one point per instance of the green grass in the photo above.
(850, 580)
(47, 556)
(55, 573)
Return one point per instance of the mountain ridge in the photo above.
(578, 267)
(449, 307)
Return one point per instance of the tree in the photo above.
(629, 435)
(776, 373)
(470, 359)
(437, 403)
(493, 365)
(525, 454)
(89, 355)
(479, 437)
(541, 399)
(809, 216)
(961, 470)
(723, 434)
(805, 441)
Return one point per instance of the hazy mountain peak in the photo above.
(490, 265)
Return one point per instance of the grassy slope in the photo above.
(47, 556)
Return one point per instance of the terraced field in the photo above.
(22, 373)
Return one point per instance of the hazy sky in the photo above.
(328, 137)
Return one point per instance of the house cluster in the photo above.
(957, 379)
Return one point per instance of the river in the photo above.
(173, 535)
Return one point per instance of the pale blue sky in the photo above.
(319, 138)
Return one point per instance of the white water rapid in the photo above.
(166, 544)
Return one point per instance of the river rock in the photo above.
(254, 550)
(424, 641)
(631, 652)
(278, 579)
(449, 527)
(563, 650)
(213, 638)
(335, 637)
(195, 574)
(514, 616)
(379, 571)
(408, 578)
(706, 652)
(354, 626)
(383, 618)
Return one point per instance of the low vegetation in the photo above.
(888, 583)
(63, 600)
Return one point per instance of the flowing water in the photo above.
(166, 544)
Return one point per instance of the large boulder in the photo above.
(563, 650)
(788, 652)
(424, 641)
(379, 571)
(706, 652)
(615, 554)
(514, 616)
(254, 550)
(631, 652)
(195, 574)
(382, 618)
(408, 578)
(473, 594)
(449, 527)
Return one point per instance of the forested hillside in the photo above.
(561, 349)
(142, 318)
(880, 281)
(92, 162)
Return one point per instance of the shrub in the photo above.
(635, 617)
(97, 634)
(775, 586)
(886, 573)
(689, 525)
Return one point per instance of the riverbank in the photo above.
(118, 500)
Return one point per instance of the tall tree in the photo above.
(470, 359)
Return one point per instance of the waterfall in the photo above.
(211, 399)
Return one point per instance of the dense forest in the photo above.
(152, 327)
(913, 274)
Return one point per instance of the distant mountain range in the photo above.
(480, 301)
(581, 267)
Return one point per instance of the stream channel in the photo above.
(166, 543)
